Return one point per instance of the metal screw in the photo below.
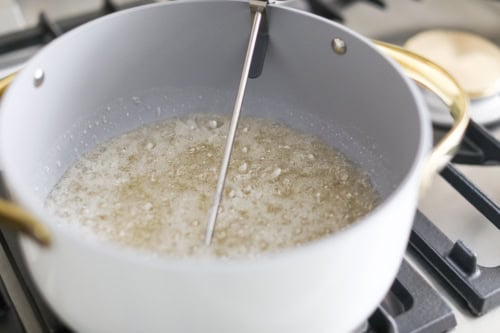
(38, 77)
(338, 46)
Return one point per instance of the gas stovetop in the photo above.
(450, 277)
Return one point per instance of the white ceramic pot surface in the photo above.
(187, 57)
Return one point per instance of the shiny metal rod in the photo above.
(257, 18)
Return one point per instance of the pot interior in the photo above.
(169, 60)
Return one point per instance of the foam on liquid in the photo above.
(151, 189)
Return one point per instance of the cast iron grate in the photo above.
(411, 306)
(418, 307)
(331, 9)
(9, 320)
(47, 29)
(479, 147)
(478, 286)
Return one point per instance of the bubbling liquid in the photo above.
(151, 189)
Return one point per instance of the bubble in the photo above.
(276, 173)
(213, 124)
(247, 189)
(148, 206)
(150, 145)
(136, 100)
(243, 167)
(153, 177)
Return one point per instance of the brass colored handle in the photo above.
(441, 83)
(18, 219)
(14, 216)
(4, 82)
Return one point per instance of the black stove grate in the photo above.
(477, 286)
(411, 306)
(47, 29)
(455, 263)
(332, 9)
(9, 320)
(469, 191)
(479, 147)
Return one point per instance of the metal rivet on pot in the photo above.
(38, 77)
(339, 46)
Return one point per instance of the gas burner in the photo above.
(484, 111)
(474, 62)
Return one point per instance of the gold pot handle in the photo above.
(5, 81)
(14, 216)
(18, 219)
(441, 83)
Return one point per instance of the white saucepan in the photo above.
(186, 57)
